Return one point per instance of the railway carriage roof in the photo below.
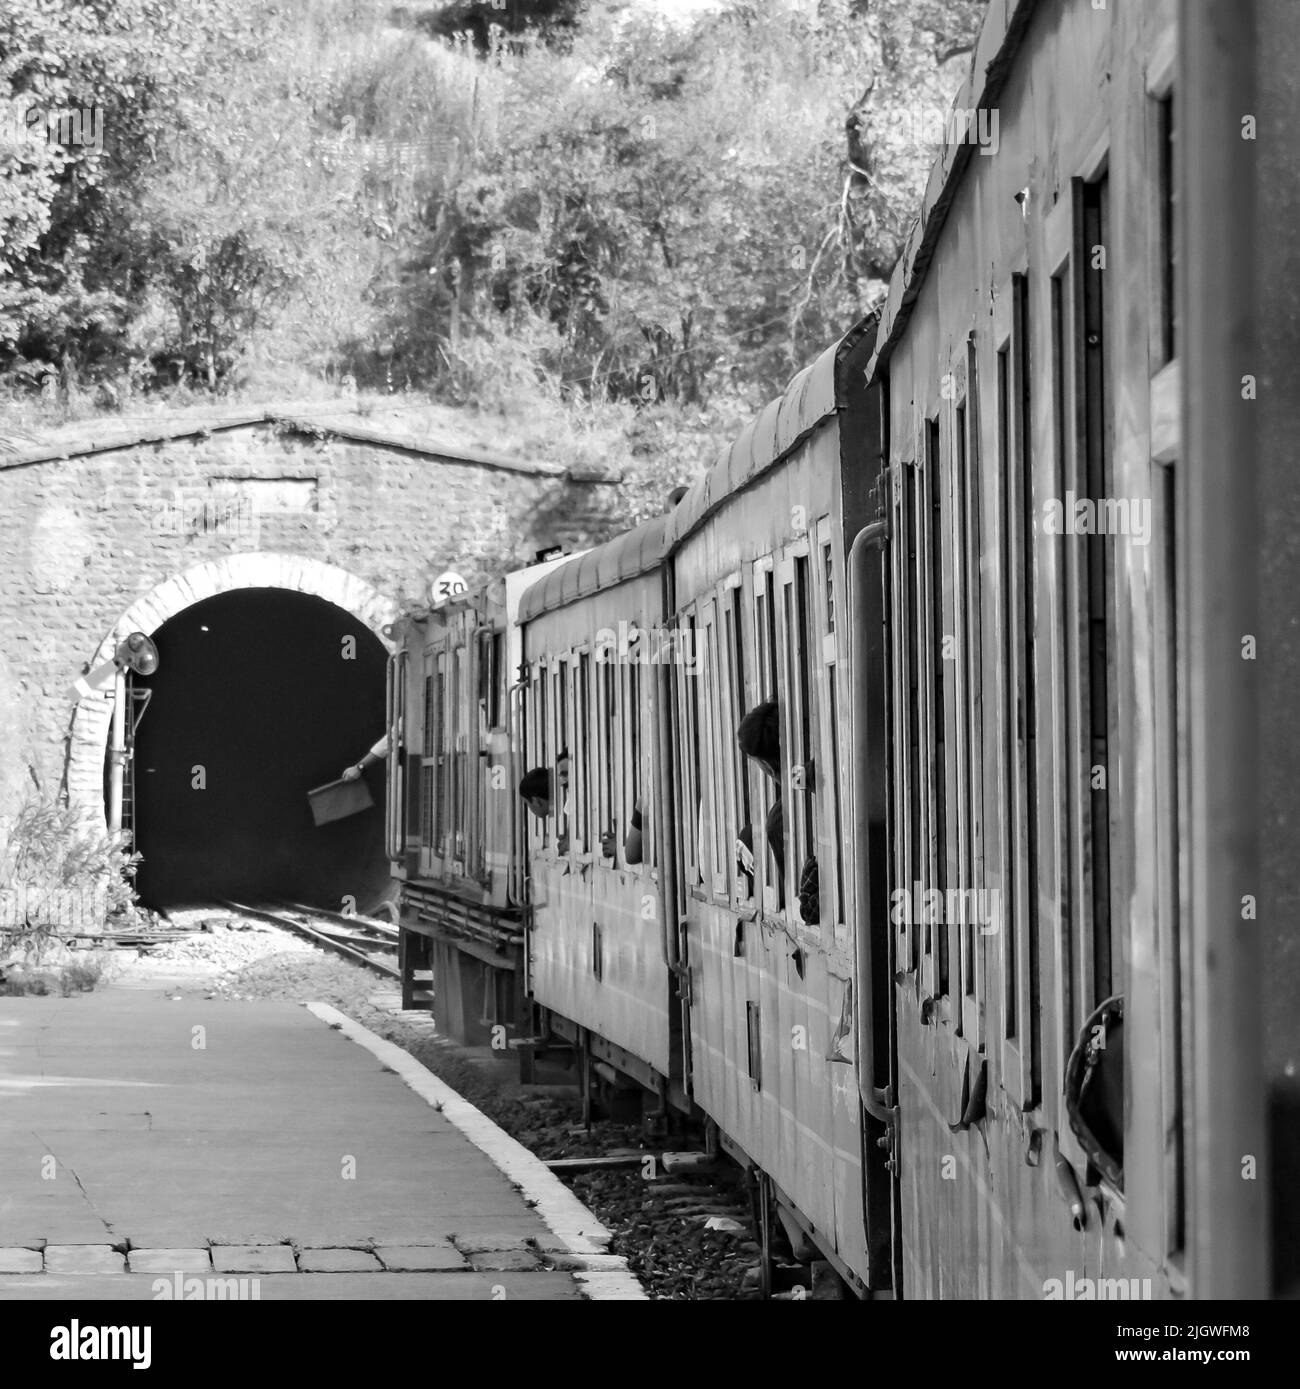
(637, 552)
(811, 398)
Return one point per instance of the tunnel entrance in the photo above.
(260, 694)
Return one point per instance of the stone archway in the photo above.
(93, 714)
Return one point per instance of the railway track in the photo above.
(358, 938)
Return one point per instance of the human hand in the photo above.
(351, 773)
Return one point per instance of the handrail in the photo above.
(878, 1102)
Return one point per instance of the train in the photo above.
(926, 706)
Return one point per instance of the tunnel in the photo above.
(260, 695)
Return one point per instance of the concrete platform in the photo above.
(253, 1131)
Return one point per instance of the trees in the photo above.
(683, 205)
(166, 242)
(667, 215)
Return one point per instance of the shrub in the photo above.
(49, 850)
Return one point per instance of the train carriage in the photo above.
(601, 944)
(1065, 935)
(759, 594)
(454, 825)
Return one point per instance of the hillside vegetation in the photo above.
(623, 231)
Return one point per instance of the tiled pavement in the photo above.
(156, 1147)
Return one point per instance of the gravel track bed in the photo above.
(658, 1222)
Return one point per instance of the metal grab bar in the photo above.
(878, 1102)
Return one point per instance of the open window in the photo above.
(705, 671)
(732, 675)
(689, 752)
(832, 699)
(766, 791)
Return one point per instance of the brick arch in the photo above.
(92, 717)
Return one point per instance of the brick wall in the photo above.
(97, 543)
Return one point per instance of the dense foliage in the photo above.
(587, 209)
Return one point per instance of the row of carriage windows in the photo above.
(940, 656)
(956, 686)
(759, 644)
(586, 731)
(464, 690)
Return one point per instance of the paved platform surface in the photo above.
(210, 1145)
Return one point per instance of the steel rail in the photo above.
(317, 937)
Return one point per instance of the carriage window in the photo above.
(765, 686)
(765, 603)
(429, 762)
(607, 708)
(1071, 1017)
(735, 712)
(412, 756)
(442, 802)
(688, 688)
(912, 523)
(1169, 890)
(961, 691)
(964, 609)
(1168, 246)
(580, 754)
(800, 827)
(833, 735)
(804, 659)
(478, 765)
(456, 757)
(541, 744)
(761, 645)
(632, 730)
(707, 669)
(828, 577)
(1094, 558)
(561, 795)
(972, 700)
(497, 680)
(1007, 670)
(939, 684)
(1021, 527)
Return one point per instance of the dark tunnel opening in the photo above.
(260, 695)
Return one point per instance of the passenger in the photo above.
(632, 845)
(745, 858)
(810, 907)
(562, 772)
(535, 788)
(774, 831)
(759, 737)
(1094, 1089)
(376, 754)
